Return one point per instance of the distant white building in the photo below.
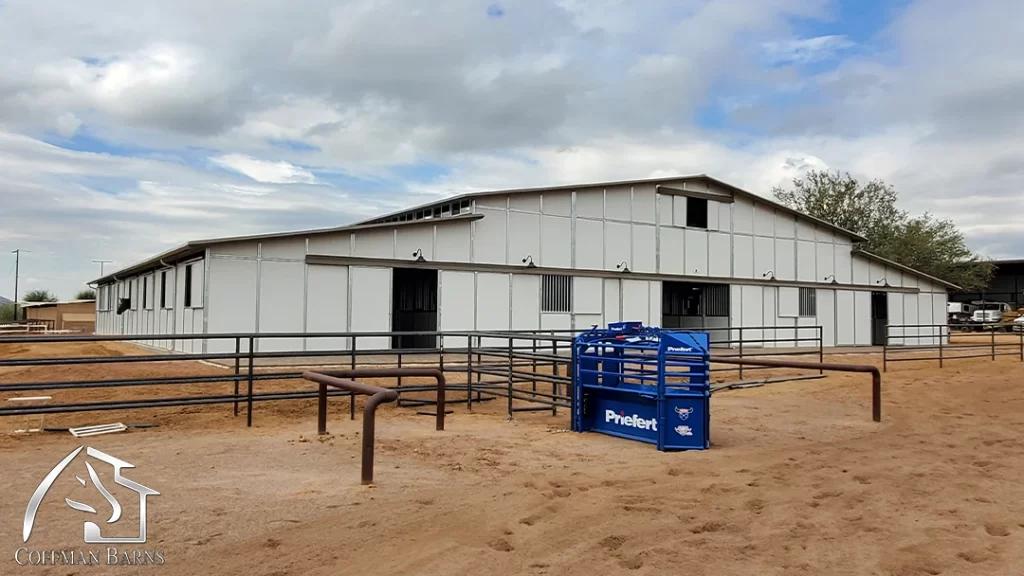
(676, 252)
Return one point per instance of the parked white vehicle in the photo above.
(990, 312)
(958, 313)
(1018, 323)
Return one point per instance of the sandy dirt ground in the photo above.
(799, 480)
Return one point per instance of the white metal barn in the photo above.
(672, 252)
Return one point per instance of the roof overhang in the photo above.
(887, 262)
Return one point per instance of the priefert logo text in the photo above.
(633, 421)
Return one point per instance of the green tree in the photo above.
(87, 294)
(39, 296)
(924, 243)
(6, 312)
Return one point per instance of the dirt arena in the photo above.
(799, 480)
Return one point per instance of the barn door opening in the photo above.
(414, 307)
(879, 317)
(693, 306)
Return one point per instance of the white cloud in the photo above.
(806, 50)
(264, 171)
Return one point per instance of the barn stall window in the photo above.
(163, 289)
(188, 286)
(808, 302)
(696, 212)
(556, 293)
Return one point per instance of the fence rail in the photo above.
(944, 342)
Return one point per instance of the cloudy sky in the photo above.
(128, 127)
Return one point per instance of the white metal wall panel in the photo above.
(785, 259)
(524, 202)
(181, 326)
(456, 291)
(452, 242)
(672, 250)
(523, 236)
(232, 300)
(894, 276)
(895, 309)
(825, 265)
(617, 203)
(719, 255)
(644, 249)
(752, 313)
(558, 203)
(409, 239)
(664, 210)
(939, 315)
(860, 271)
(556, 242)
(679, 211)
(293, 248)
(281, 303)
(785, 225)
(612, 310)
(489, 237)
(927, 335)
(643, 203)
(823, 235)
(910, 319)
(586, 295)
(789, 302)
(743, 257)
(492, 304)
(764, 256)
(743, 216)
(862, 320)
(807, 332)
(769, 300)
(764, 220)
(370, 305)
(331, 244)
(713, 214)
(785, 332)
(375, 243)
(843, 264)
(845, 335)
(617, 240)
(912, 281)
(589, 244)
(327, 306)
(555, 321)
(826, 303)
(804, 230)
(805, 260)
(654, 303)
(525, 304)
(245, 249)
(635, 301)
(585, 322)
(696, 262)
(492, 202)
(590, 203)
(875, 272)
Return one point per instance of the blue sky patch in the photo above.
(495, 11)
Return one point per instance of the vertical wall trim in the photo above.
(657, 231)
(572, 235)
(511, 300)
(476, 292)
(472, 238)
(632, 241)
(508, 220)
(305, 298)
(206, 296)
(259, 283)
(604, 229)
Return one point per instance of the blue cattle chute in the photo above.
(643, 384)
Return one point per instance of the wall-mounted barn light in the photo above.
(419, 255)
(833, 277)
(622, 266)
(529, 261)
(769, 275)
(882, 282)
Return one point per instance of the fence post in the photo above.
(352, 395)
(510, 378)
(398, 402)
(469, 372)
(555, 386)
(1022, 343)
(993, 343)
(940, 346)
(238, 353)
(741, 351)
(248, 416)
(885, 351)
(821, 348)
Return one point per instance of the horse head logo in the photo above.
(92, 530)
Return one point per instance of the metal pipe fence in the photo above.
(945, 342)
(530, 369)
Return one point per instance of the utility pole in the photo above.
(17, 263)
(101, 263)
